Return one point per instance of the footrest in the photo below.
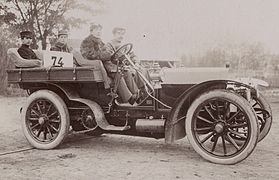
(116, 128)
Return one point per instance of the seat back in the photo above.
(14, 56)
(80, 61)
(20, 62)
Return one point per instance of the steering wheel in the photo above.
(122, 50)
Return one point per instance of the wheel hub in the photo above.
(42, 120)
(219, 127)
(89, 118)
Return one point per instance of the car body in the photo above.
(61, 98)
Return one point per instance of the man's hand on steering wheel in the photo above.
(119, 54)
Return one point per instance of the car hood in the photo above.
(196, 75)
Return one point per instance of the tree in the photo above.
(42, 17)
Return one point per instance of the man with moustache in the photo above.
(93, 48)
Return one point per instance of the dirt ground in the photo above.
(124, 157)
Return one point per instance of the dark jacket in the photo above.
(60, 47)
(26, 52)
(93, 48)
(63, 48)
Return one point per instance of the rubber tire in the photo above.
(268, 121)
(237, 99)
(64, 114)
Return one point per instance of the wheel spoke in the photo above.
(54, 120)
(238, 134)
(204, 119)
(241, 125)
(45, 133)
(33, 119)
(203, 129)
(39, 132)
(226, 110)
(34, 126)
(49, 107)
(49, 132)
(255, 104)
(35, 112)
(215, 142)
(207, 137)
(231, 118)
(261, 119)
(231, 140)
(44, 106)
(52, 127)
(52, 114)
(224, 145)
(39, 108)
(217, 108)
(210, 114)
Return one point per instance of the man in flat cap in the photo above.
(61, 44)
(93, 48)
(26, 52)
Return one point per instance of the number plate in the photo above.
(58, 59)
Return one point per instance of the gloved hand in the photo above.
(122, 59)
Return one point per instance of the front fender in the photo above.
(175, 124)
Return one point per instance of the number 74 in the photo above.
(57, 63)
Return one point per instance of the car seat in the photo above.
(98, 64)
(18, 61)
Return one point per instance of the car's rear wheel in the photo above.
(213, 121)
(45, 119)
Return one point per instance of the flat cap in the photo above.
(95, 25)
(62, 32)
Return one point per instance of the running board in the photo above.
(100, 117)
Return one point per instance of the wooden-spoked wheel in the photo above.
(264, 115)
(45, 119)
(213, 122)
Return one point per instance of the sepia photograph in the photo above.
(139, 89)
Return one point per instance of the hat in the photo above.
(62, 32)
(116, 29)
(95, 25)
(26, 34)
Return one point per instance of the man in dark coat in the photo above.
(93, 48)
(61, 44)
(26, 52)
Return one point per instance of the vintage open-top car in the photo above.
(223, 118)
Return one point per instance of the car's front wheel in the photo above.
(213, 122)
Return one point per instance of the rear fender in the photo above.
(175, 124)
(65, 91)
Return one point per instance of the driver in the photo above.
(93, 48)
(116, 42)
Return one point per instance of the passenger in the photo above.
(118, 37)
(93, 48)
(61, 44)
(26, 52)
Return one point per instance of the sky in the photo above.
(169, 28)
